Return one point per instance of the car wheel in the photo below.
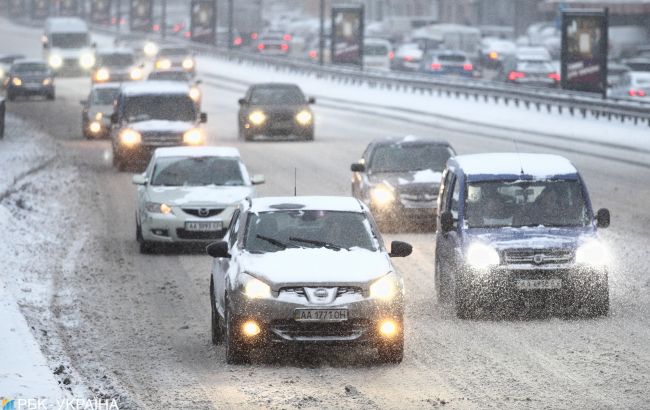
(309, 135)
(236, 352)
(11, 96)
(463, 302)
(392, 352)
(51, 96)
(217, 336)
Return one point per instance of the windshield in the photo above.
(411, 157)
(197, 171)
(535, 66)
(115, 60)
(104, 96)
(69, 40)
(275, 231)
(277, 95)
(169, 76)
(451, 58)
(174, 52)
(30, 68)
(524, 203)
(375, 50)
(160, 107)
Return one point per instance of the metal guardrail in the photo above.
(541, 99)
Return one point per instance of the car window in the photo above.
(169, 76)
(197, 171)
(234, 228)
(159, 107)
(375, 50)
(104, 96)
(68, 40)
(30, 68)
(451, 58)
(409, 157)
(277, 95)
(115, 60)
(268, 231)
(455, 200)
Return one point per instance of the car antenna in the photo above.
(295, 181)
(521, 165)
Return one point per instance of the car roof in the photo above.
(198, 152)
(488, 166)
(409, 140)
(155, 87)
(311, 203)
(66, 25)
(640, 74)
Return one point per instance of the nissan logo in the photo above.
(538, 259)
(320, 293)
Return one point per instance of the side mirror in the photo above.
(311, 100)
(446, 221)
(204, 117)
(258, 179)
(139, 179)
(400, 249)
(242, 101)
(114, 118)
(358, 167)
(218, 249)
(602, 218)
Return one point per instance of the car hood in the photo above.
(106, 110)
(426, 177)
(70, 52)
(161, 126)
(317, 267)
(531, 237)
(280, 108)
(222, 196)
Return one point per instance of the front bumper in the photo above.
(171, 228)
(31, 89)
(398, 212)
(279, 128)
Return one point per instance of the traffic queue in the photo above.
(511, 229)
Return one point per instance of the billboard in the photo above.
(203, 21)
(68, 7)
(347, 35)
(141, 15)
(17, 8)
(584, 50)
(100, 11)
(40, 9)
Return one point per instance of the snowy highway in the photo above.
(137, 327)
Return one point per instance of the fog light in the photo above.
(95, 127)
(251, 329)
(388, 328)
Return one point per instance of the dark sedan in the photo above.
(273, 110)
(531, 72)
(29, 77)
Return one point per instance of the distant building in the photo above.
(517, 14)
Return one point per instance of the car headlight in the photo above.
(47, 81)
(99, 116)
(195, 94)
(16, 81)
(2, 73)
(164, 64)
(188, 64)
(593, 253)
(382, 195)
(135, 74)
(87, 60)
(95, 127)
(157, 208)
(102, 74)
(130, 137)
(304, 117)
(257, 117)
(482, 256)
(193, 137)
(254, 288)
(150, 49)
(55, 61)
(385, 288)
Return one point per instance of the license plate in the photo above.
(534, 284)
(320, 315)
(204, 226)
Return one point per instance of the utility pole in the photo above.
(321, 40)
(231, 16)
(163, 24)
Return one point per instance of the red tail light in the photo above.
(284, 47)
(261, 46)
(391, 55)
(156, 27)
(515, 75)
(113, 20)
(637, 93)
(436, 66)
(177, 28)
(187, 34)
(554, 76)
(237, 41)
(313, 53)
(253, 36)
(287, 37)
(468, 67)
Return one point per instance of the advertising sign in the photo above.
(141, 15)
(203, 21)
(347, 35)
(40, 9)
(100, 11)
(584, 50)
(68, 7)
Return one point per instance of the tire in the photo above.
(51, 96)
(392, 353)
(145, 247)
(462, 302)
(236, 352)
(217, 335)
(309, 136)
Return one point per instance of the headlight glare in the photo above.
(382, 195)
(195, 94)
(188, 64)
(164, 64)
(47, 81)
(135, 74)
(304, 117)
(256, 289)
(482, 256)
(55, 61)
(150, 49)
(384, 288)
(193, 137)
(17, 81)
(130, 137)
(157, 208)
(257, 117)
(102, 74)
(593, 253)
(95, 127)
(87, 60)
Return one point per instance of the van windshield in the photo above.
(550, 203)
(160, 107)
(69, 40)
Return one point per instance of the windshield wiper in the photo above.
(273, 241)
(321, 244)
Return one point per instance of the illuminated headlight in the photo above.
(164, 64)
(99, 116)
(102, 75)
(130, 137)
(254, 288)
(482, 256)
(87, 60)
(385, 288)
(195, 94)
(2, 73)
(188, 64)
(16, 81)
(95, 127)
(304, 117)
(381, 195)
(193, 137)
(47, 81)
(156, 208)
(55, 61)
(257, 117)
(150, 49)
(135, 74)
(593, 253)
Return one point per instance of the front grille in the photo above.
(419, 192)
(281, 116)
(347, 330)
(537, 256)
(203, 212)
(191, 235)
(341, 290)
(162, 139)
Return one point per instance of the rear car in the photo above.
(150, 115)
(408, 57)
(530, 72)
(275, 109)
(496, 50)
(189, 194)
(447, 62)
(516, 232)
(170, 57)
(28, 78)
(399, 179)
(97, 110)
(377, 54)
(272, 44)
(306, 271)
(116, 66)
(181, 76)
(634, 85)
